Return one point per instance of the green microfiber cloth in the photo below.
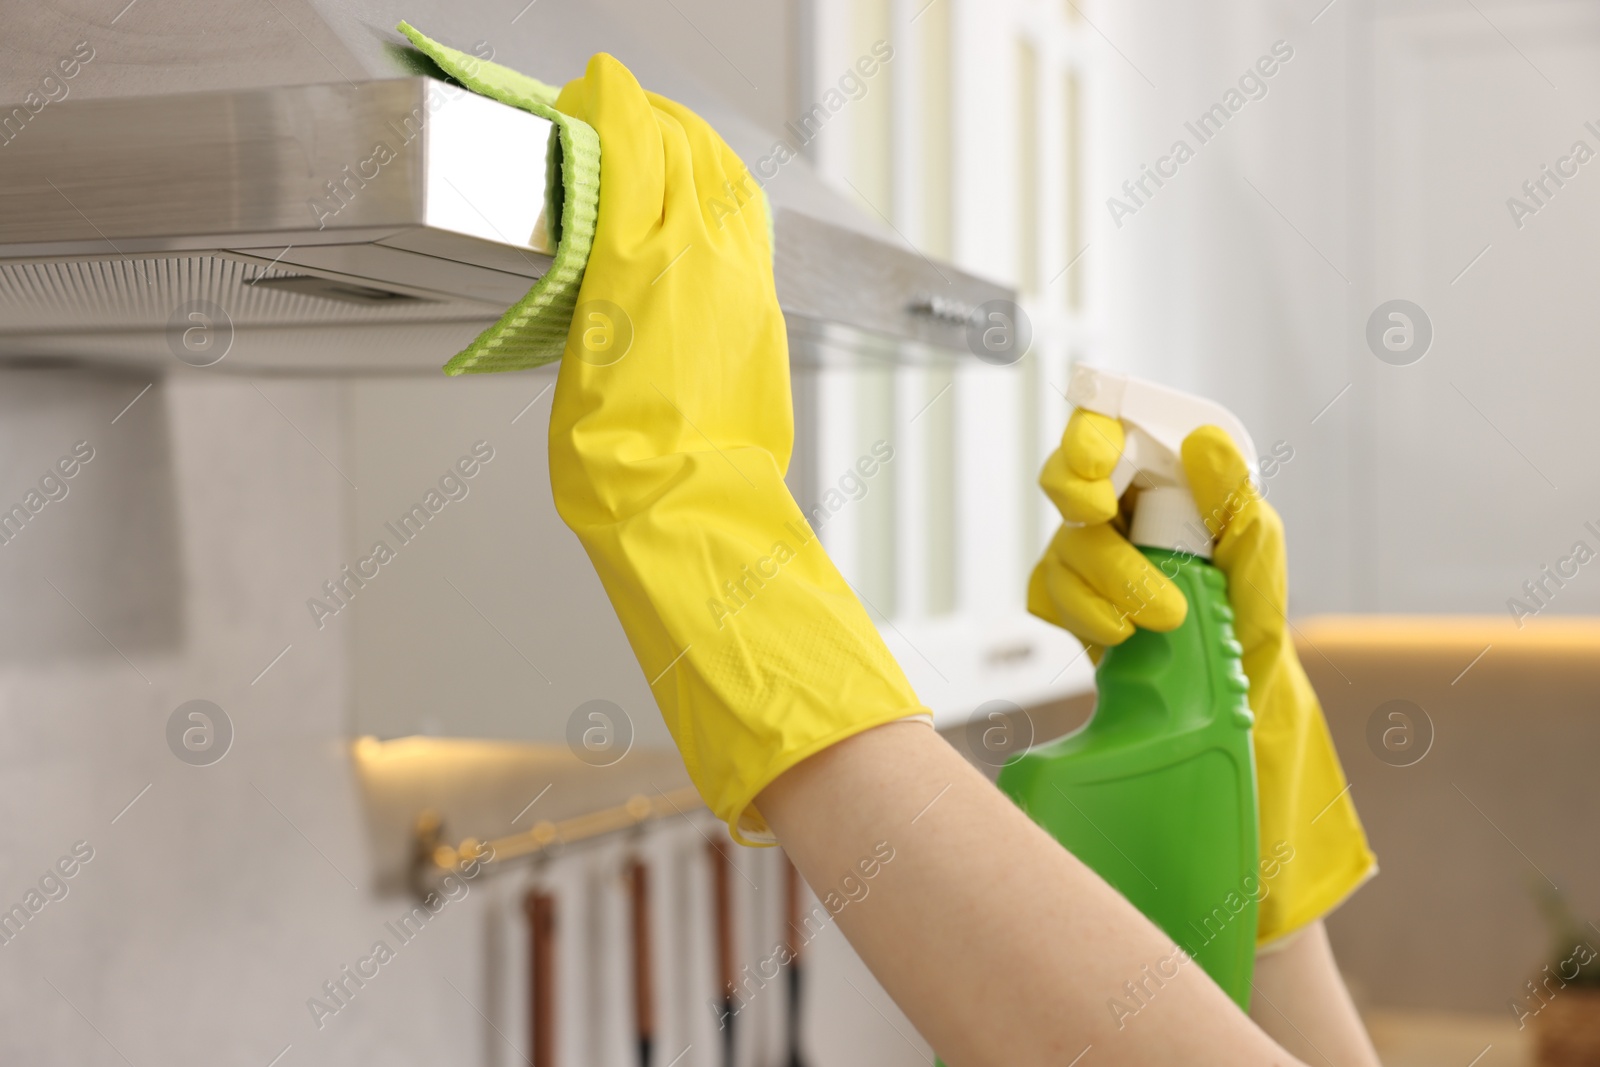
(534, 331)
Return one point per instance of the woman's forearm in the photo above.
(1301, 1000)
(998, 944)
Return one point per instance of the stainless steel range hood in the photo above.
(283, 182)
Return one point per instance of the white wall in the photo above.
(220, 898)
(223, 898)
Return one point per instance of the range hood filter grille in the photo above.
(147, 293)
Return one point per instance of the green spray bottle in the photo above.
(1157, 792)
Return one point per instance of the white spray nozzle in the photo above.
(1156, 420)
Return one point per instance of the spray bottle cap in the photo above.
(1156, 420)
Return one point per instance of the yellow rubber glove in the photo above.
(1300, 785)
(1091, 581)
(670, 431)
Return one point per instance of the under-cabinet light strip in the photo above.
(638, 809)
